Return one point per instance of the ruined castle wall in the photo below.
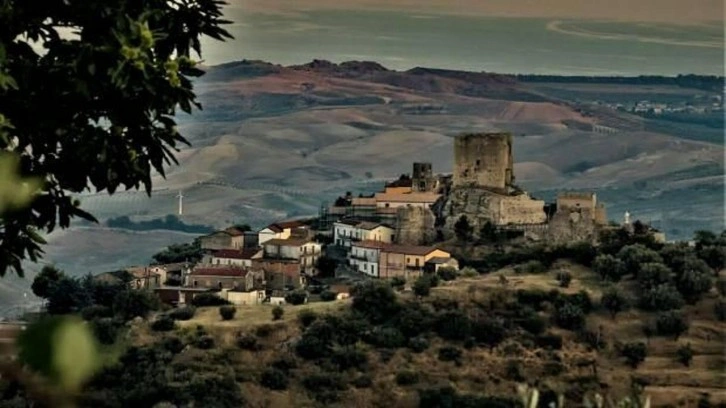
(601, 215)
(483, 160)
(521, 209)
(572, 225)
(415, 226)
(423, 179)
(577, 200)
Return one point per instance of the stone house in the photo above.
(221, 277)
(230, 238)
(237, 257)
(172, 274)
(280, 273)
(303, 250)
(407, 261)
(280, 230)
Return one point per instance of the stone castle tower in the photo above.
(415, 226)
(484, 160)
(423, 179)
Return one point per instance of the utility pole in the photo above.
(181, 208)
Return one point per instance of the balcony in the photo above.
(363, 258)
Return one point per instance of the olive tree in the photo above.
(88, 92)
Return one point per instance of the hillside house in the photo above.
(365, 257)
(171, 274)
(277, 297)
(230, 238)
(280, 274)
(142, 277)
(243, 298)
(281, 230)
(303, 250)
(407, 261)
(347, 232)
(236, 257)
(434, 264)
(221, 277)
(177, 295)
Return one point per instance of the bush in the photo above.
(468, 272)
(323, 386)
(532, 267)
(274, 379)
(671, 324)
(447, 273)
(297, 297)
(488, 331)
(569, 316)
(553, 368)
(105, 330)
(385, 337)
(449, 353)
(173, 344)
(564, 278)
(514, 371)
(636, 255)
(609, 267)
(183, 313)
(406, 377)
(693, 284)
(306, 318)
(594, 339)
(418, 344)
(285, 363)
(375, 300)
(163, 324)
(328, 296)
(721, 286)
(533, 323)
(685, 354)
(227, 312)
(549, 341)
(347, 358)
(719, 309)
(422, 286)
(453, 325)
(248, 342)
(205, 342)
(129, 304)
(614, 302)
(661, 298)
(398, 283)
(634, 353)
(653, 274)
(208, 299)
(362, 381)
(277, 312)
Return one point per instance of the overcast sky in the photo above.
(675, 11)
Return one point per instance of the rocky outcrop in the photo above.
(415, 226)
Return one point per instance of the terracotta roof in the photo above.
(364, 201)
(171, 267)
(246, 253)
(234, 232)
(409, 249)
(408, 198)
(290, 224)
(287, 242)
(352, 223)
(220, 271)
(141, 272)
(368, 225)
(370, 244)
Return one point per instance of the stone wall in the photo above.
(484, 160)
(415, 226)
(423, 179)
(572, 225)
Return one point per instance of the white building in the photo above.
(365, 256)
(347, 232)
(280, 230)
(233, 257)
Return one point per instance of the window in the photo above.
(219, 284)
(194, 284)
(478, 162)
(417, 262)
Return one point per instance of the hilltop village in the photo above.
(400, 233)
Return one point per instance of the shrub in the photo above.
(227, 312)
(609, 267)
(324, 386)
(297, 297)
(248, 342)
(533, 323)
(514, 371)
(422, 286)
(205, 342)
(173, 344)
(208, 299)
(285, 363)
(105, 330)
(533, 297)
(163, 324)
(277, 312)
(453, 325)
(636, 255)
(447, 273)
(719, 309)
(653, 274)
(532, 266)
(385, 337)
(564, 278)
(489, 331)
(129, 304)
(685, 354)
(693, 284)
(463, 229)
(661, 298)
(328, 296)
(96, 312)
(594, 339)
(398, 283)
(183, 313)
(375, 300)
(274, 379)
(634, 353)
(614, 302)
(569, 316)
(468, 272)
(306, 318)
(406, 377)
(671, 324)
(414, 320)
(721, 286)
(553, 368)
(549, 341)
(347, 358)
(418, 344)
(449, 353)
(362, 381)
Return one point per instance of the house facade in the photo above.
(348, 232)
(171, 274)
(280, 273)
(241, 257)
(305, 251)
(221, 277)
(230, 238)
(407, 261)
(365, 257)
(280, 230)
(243, 298)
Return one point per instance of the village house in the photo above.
(280, 274)
(178, 295)
(230, 238)
(365, 257)
(243, 298)
(136, 277)
(434, 264)
(346, 232)
(277, 297)
(171, 274)
(281, 230)
(407, 261)
(221, 277)
(237, 257)
(303, 250)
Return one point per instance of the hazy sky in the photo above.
(675, 11)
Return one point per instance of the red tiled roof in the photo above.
(246, 253)
(287, 242)
(234, 232)
(367, 225)
(409, 249)
(370, 244)
(280, 226)
(220, 271)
